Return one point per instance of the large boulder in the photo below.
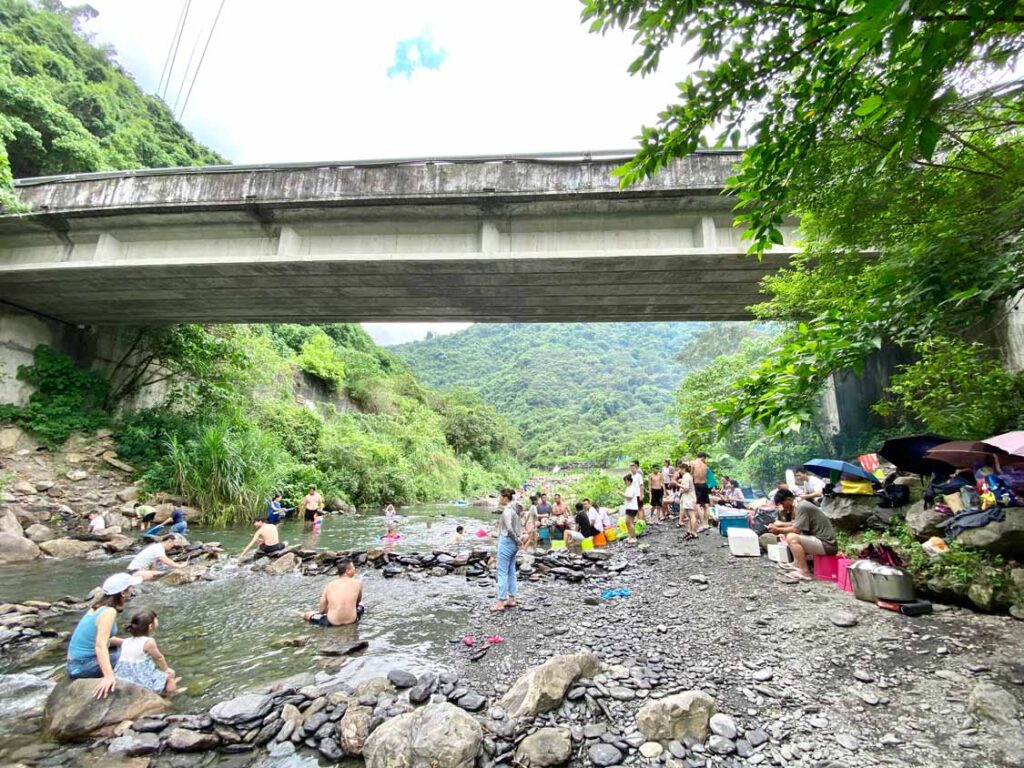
(185, 575)
(852, 513)
(241, 709)
(17, 549)
(676, 717)
(39, 533)
(924, 523)
(286, 563)
(353, 729)
(545, 747)
(163, 512)
(69, 547)
(542, 688)
(9, 523)
(990, 702)
(118, 543)
(432, 736)
(1000, 538)
(72, 713)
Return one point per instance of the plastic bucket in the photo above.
(587, 544)
(640, 526)
(611, 534)
(543, 533)
(622, 528)
(600, 540)
(557, 544)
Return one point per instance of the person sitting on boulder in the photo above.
(141, 662)
(96, 522)
(267, 536)
(144, 564)
(93, 650)
(809, 533)
(341, 601)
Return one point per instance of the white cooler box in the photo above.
(780, 553)
(743, 543)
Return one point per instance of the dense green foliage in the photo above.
(600, 487)
(66, 399)
(232, 429)
(743, 451)
(893, 131)
(67, 107)
(976, 399)
(384, 438)
(575, 391)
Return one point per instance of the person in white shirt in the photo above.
(638, 483)
(144, 564)
(630, 496)
(96, 522)
(809, 486)
(599, 518)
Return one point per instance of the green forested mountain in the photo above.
(574, 390)
(66, 106)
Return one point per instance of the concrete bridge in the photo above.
(542, 238)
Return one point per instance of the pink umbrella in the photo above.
(1011, 442)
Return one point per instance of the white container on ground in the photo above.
(743, 543)
(780, 553)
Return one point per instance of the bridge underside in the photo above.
(194, 248)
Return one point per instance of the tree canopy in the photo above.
(892, 130)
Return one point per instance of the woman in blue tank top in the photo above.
(93, 649)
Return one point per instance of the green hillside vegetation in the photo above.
(232, 431)
(575, 391)
(67, 107)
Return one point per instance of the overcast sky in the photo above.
(314, 80)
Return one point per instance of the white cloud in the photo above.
(308, 80)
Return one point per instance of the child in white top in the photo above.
(141, 662)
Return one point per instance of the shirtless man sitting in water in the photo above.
(268, 537)
(340, 601)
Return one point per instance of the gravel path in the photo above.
(888, 691)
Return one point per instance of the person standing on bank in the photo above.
(93, 649)
(510, 537)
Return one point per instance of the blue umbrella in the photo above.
(825, 467)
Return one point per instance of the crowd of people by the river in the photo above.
(685, 492)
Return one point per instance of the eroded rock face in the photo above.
(17, 549)
(851, 513)
(542, 688)
(676, 717)
(72, 713)
(435, 735)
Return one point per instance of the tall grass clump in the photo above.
(229, 470)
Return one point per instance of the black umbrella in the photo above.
(907, 454)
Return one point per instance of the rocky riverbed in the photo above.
(710, 661)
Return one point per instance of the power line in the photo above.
(188, 68)
(199, 66)
(167, 58)
(176, 42)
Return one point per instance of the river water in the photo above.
(231, 634)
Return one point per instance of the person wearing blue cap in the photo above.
(93, 650)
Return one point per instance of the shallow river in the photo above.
(227, 635)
